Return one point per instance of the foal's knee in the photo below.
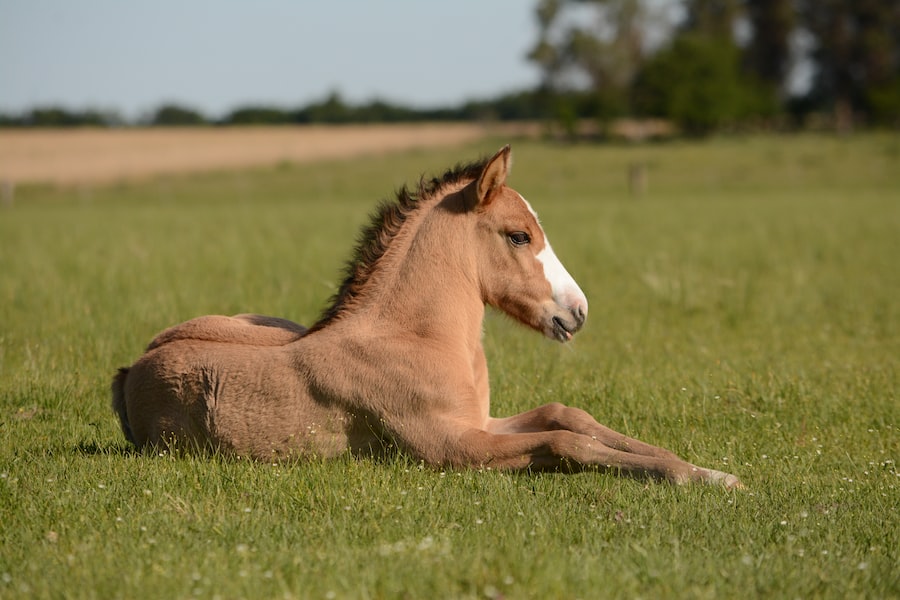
(560, 416)
(555, 415)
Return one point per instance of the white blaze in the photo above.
(565, 291)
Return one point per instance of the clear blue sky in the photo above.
(216, 55)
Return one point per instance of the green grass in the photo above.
(745, 312)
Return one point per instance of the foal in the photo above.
(397, 359)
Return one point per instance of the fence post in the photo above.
(7, 192)
(637, 179)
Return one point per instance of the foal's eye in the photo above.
(518, 238)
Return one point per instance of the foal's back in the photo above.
(246, 329)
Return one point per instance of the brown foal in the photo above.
(397, 359)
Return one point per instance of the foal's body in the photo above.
(398, 359)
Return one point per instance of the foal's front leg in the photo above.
(556, 416)
(561, 448)
(559, 417)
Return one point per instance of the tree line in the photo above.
(710, 64)
(703, 65)
(519, 106)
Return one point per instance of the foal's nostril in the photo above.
(579, 314)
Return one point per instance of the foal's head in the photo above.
(517, 269)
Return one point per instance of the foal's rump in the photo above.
(243, 329)
(225, 396)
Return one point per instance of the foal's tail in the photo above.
(118, 402)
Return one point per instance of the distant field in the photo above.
(80, 156)
(743, 312)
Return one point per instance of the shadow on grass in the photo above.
(94, 448)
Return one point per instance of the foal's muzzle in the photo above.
(565, 322)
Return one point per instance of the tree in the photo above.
(712, 18)
(257, 115)
(589, 52)
(695, 82)
(54, 116)
(548, 57)
(768, 52)
(857, 56)
(331, 110)
(545, 54)
(754, 39)
(174, 115)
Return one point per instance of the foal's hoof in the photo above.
(726, 480)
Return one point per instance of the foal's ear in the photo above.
(493, 177)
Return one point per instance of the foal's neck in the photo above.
(426, 284)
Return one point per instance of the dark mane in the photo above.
(384, 224)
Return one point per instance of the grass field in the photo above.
(745, 312)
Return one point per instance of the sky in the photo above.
(218, 55)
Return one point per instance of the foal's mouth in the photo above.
(563, 331)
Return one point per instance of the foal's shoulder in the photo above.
(247, 329)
